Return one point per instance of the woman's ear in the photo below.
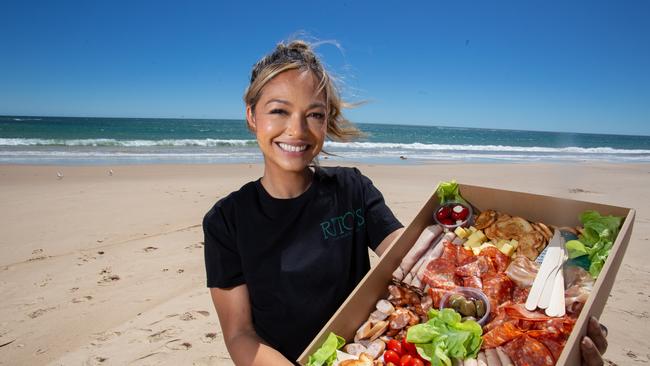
(250, 119)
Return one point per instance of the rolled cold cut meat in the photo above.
(420, 247)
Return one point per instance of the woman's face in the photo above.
(290, 121)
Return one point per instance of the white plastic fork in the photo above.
(548, 268)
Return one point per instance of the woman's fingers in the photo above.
(598, 334)
(590, 354)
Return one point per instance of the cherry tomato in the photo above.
(391, 356)
(396, 346)
(443, 212)
(406, 360)
(459, 212)
(447, 221)
(417, 362)
(409, 348)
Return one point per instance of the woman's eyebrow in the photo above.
(275, 100)
(317, 104)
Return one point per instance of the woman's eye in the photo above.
(278, 111)
(316, 115)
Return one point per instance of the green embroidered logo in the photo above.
(343, 225)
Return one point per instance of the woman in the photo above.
(284, 252)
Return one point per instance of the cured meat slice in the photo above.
(519, 294)
(501, 334)
(436, 295)
(498, 288)
(440, 273)
(552, 342)
(477, 268)
(499, 260)
(464, 256)
(434, 253)
(519, 311)
(522, 271)
(473, 281)
(449, 251)
(529, 351)
(500, 318)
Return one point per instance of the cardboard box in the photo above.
(550, 210)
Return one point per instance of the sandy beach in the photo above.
(107, 269)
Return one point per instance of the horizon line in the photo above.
(360, 123)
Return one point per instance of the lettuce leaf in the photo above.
(575, 248)
(449, 191)
(326, 354)
(596, 240)
(444, 336)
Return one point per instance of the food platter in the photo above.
(541, 213)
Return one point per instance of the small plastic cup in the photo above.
(469, 293)
(450, 204)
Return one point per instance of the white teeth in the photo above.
(292, 148)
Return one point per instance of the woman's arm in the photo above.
(244, 345)
(388, 240)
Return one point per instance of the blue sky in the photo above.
(580, 66)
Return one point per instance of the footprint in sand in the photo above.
(149, 249)
(164, 334)
(37, 255)
(107, 276)
(96, 360)
(77, 300)
(178, 345)
(209, 337)
(35, 314)
(191, 315)
(104, 336)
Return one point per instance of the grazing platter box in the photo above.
(553, 211)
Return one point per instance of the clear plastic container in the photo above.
(471, 294)
(450, 205)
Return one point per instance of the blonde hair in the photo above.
(298, 54)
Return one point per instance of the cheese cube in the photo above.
(514, 243)
(507, 249)
(476, 250)
(472, 229)
(473, 243)
(478, 236)
(461, 233)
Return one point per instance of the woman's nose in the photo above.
(296, 125)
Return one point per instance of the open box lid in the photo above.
(550, 210)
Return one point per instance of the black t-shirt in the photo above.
(301, 257)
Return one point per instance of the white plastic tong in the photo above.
(548, 288)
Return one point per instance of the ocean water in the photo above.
(79, 141)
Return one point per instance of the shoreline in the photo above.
(110, 267)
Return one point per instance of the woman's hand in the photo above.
(594, 345)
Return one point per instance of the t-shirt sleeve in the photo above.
(380, 220)
(222, 261)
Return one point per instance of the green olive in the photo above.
(480, 308)
(467, 308)
(455, 301)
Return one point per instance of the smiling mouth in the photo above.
(292, 148)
